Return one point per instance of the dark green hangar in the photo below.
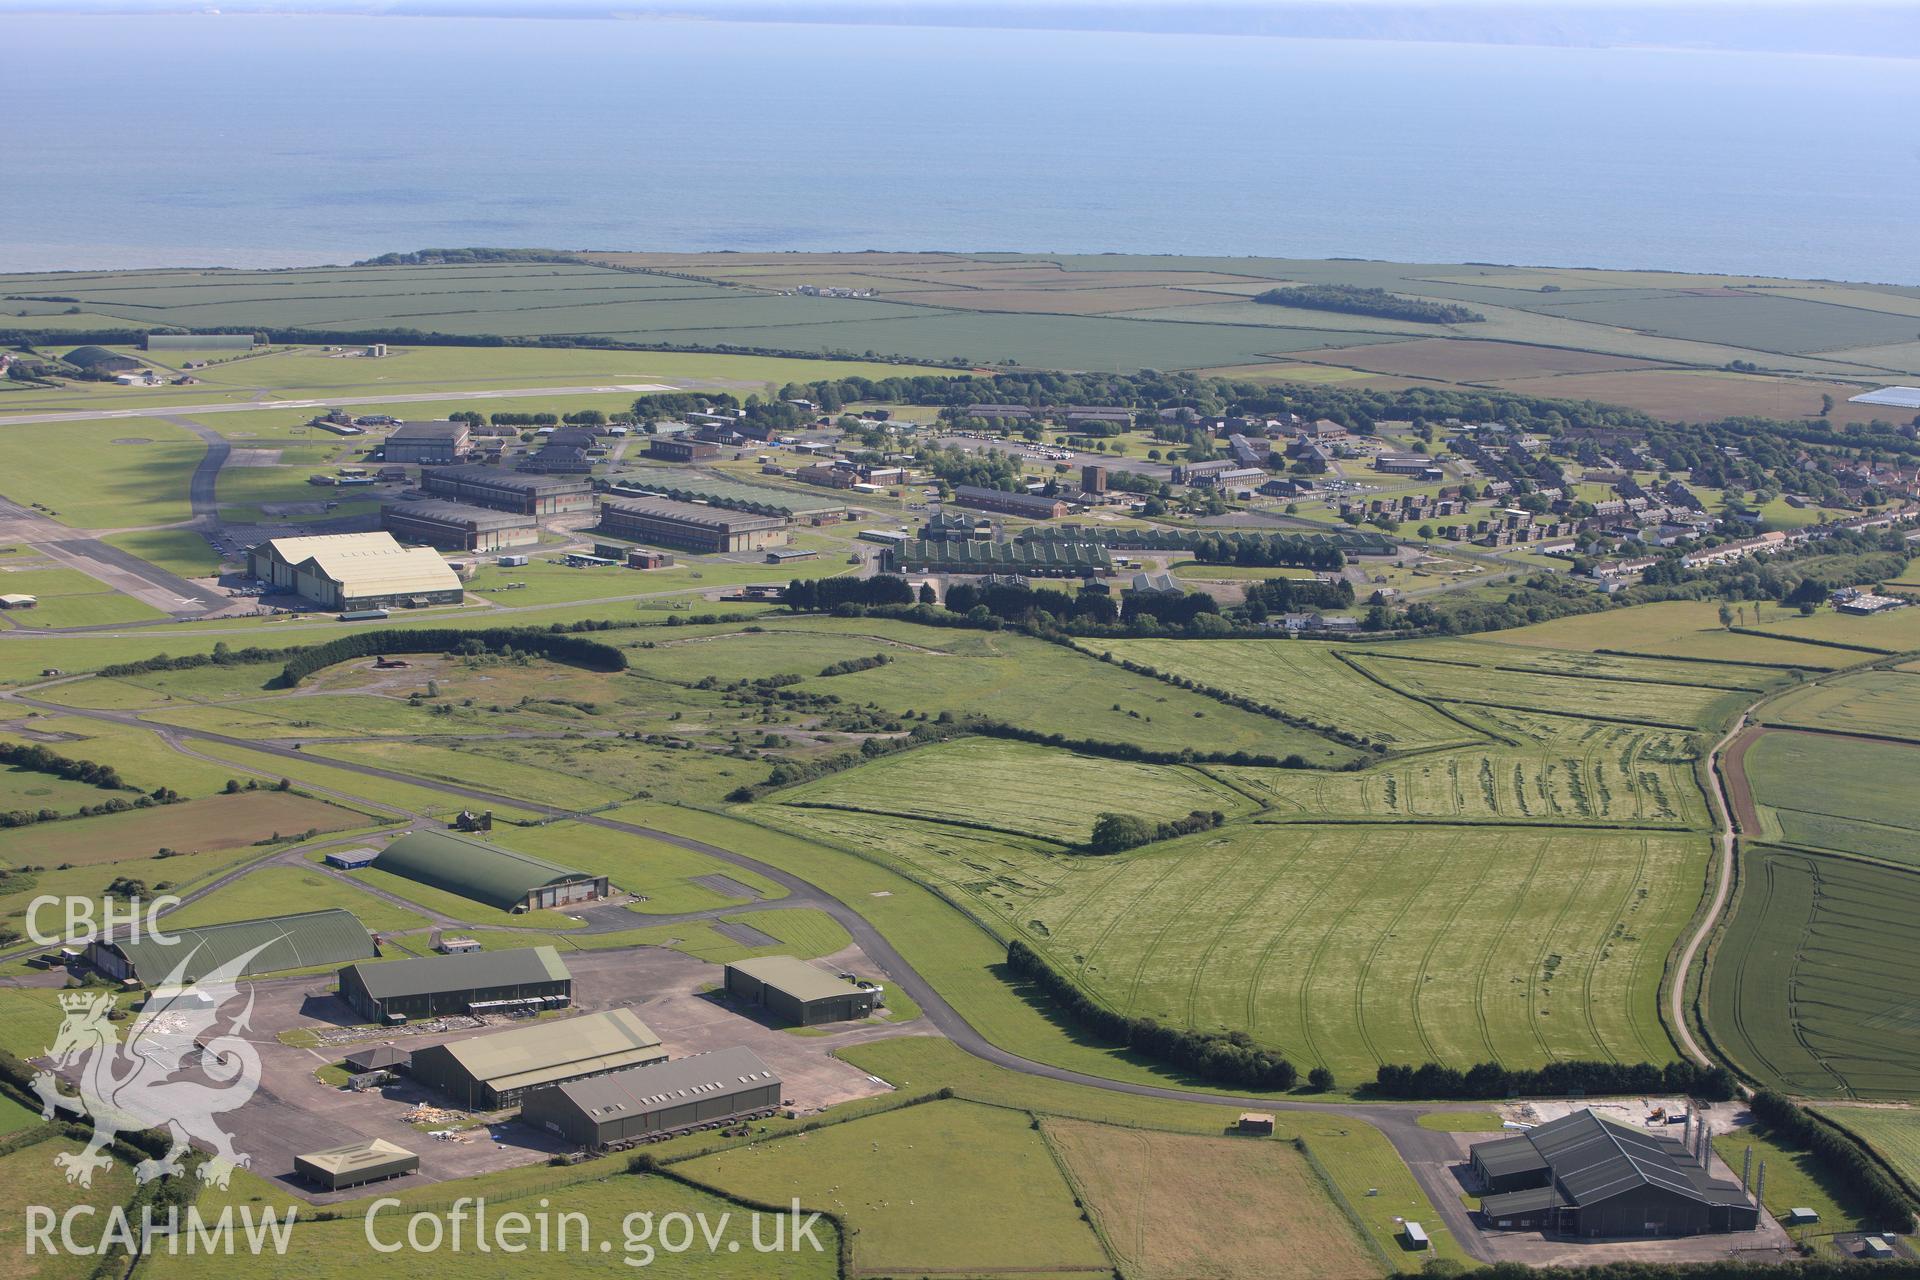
(796, 991)
(470, 982)
(502, 878)
(625, 1107)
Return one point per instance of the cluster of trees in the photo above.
(1118, 832)
(847, 666)
(1491, 1080)
(987, 469)
(556, 644)
(1170, 611)
(1226, 1058)
(1279, 549)
(1843, 1158)
(1356, 300)
(1032, 606)
(824, 595)
(40, 760)
(1296, 595)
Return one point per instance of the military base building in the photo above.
(503, 878)
(456, 526)
(690, 526)
(353, 571)
(521, 492)
(486, 1073)
(355, 1164)
(468, 982)
(649, 1102)
(429, 442)
(1586, 1176)
(329, 937)
(796, 992)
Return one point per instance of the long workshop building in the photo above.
(467, 982)
(456, 526)
(632, 1106)
(524, 492)
(486, 1073)
(689, 526)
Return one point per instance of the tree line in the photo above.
(1555, 1079)
(555, 645)
(1356, 300)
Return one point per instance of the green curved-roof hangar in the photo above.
(486, 873)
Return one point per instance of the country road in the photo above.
(1427, 1152)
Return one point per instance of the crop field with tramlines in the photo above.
(1343, 945)
(1309, 680)
(1815, 987)
(1016, 787)
(1842, 795)
(1893, 1133)
(1880, 703)
(1573, 772)
(1681, 706)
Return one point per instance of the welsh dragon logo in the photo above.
(174, 1071)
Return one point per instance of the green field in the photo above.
(1346, 946)
(1892, 1132)
(1017, 788)
(1674, 628)
(1681, 706)
(1561, 771)
(1813, 988)
(1842, 795)
(29, 1177)
(85, 478)
(1309, 680)
(339, 1249)
(1878, 703)
(268, 891)
(917, 1185)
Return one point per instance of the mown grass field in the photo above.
(86, 479)
(1843, 795)
(28, 1177)
(1017, 788)
(1266, 1212)
(270, 891)
(1345, 946)
(1815, 983)
(1308, 680)
(1359, 1161)
(918, 1185)
(339, 1249)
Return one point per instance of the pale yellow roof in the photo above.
(366, 564)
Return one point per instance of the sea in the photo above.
(275, 141)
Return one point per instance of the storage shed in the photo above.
(488, 1072)
(469, 982)
(629, 1106)
(796, 991)
(355, 1163)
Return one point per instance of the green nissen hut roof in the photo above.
(301, 941)
(471, 971)
(486, 873)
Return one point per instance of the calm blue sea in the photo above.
(293, 140)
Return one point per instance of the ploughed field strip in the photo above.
(1343, 945)
(1816, 985)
